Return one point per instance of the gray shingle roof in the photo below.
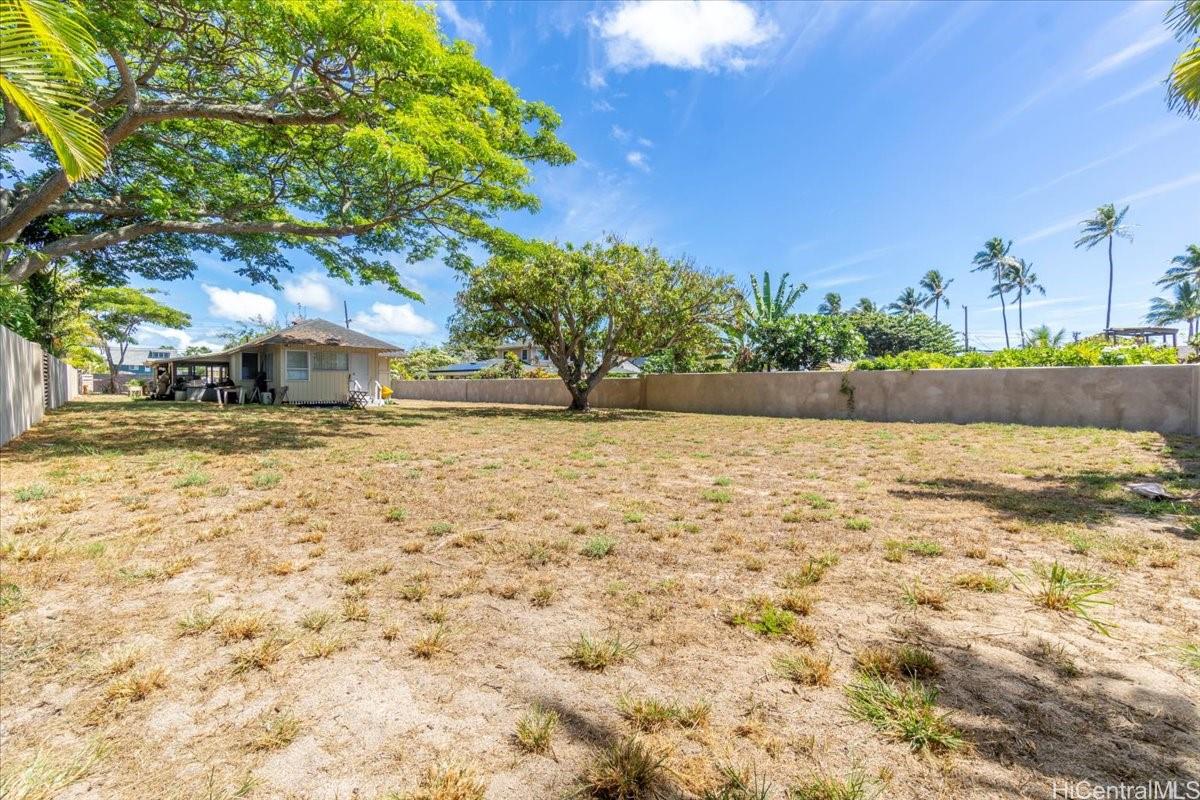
(322, 332)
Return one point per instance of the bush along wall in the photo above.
(1079, 354)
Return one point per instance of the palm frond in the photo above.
(46, 54)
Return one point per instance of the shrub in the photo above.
(890, 334)
(1087, 353)
(804, 341)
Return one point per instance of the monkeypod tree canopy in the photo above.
(591, 307)
(345, 128)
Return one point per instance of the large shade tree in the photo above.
(591, 307)
(345, 128)
(116, 312)
(1105, 225)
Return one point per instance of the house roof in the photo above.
(466, 367)
(300, 332)
(318, 332)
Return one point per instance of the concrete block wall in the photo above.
(1165, 399)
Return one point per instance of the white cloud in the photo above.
(637, 159)
(1072, 222)
(150, 335)
(464, 27)
(1137, 91)
(827, 284)
(686, 34)
(644, 142)
(238, 306)
(1130, 52)
(310, 291)
(620, 134)
(595, 79)
(399, 319)
(603, 106)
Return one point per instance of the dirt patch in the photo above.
(273, 602)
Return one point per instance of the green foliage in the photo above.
(590, 307)
(1183, 84)
(1086, 353)
(906, 713)
(345, 128)
(804, 341)
(509, 367)
(416, 363)
(115, 312)
(889, 334)
(47, 57)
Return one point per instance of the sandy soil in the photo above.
(458, 532)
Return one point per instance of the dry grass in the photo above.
(255, 603)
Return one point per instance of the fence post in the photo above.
(642, 392)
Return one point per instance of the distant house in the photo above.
(133, 365)
(318, 362)
(531, 356)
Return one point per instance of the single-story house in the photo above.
(311, 361)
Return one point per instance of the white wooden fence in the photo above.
(31, 380)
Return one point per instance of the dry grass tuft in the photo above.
(241, 627)
(598, 654)
(626, 770)
(807, 669)
(535, 729)
(447, 782)
(274, 731)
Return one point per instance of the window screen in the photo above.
(297, 365)
(331, 360)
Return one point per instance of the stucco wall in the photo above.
(1155, 398)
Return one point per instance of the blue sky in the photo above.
(853, 145)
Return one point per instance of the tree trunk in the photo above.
(1021, 317)
(937, 302)
(1108, 313)
(1004, 318)
(579, 400)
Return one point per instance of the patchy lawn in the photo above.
(451, 601)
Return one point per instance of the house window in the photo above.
(159, 354)
(297, 365)
(249, 366)
(331, 360)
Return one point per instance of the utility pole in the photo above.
(346, 311)
(966, 334)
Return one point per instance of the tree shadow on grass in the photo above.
(143, 428)
(1087, 497)
(1019, 715)
(547, 414)
(597, 734)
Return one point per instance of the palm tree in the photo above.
(831, 306)
(908, 303)
(1042, 336)
(1183, 85)
(866, 305)
(46, 54)
(767, 308)
(994, 258)
(1106, 224)
(1188, 269)
(1023, 280)
(1184, 308)
(936, 285)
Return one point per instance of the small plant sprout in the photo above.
(598, 547)
(535, 729)
(1070, 591)
(806, 669)
(597, 655)
(906, 712)
(625, 770)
